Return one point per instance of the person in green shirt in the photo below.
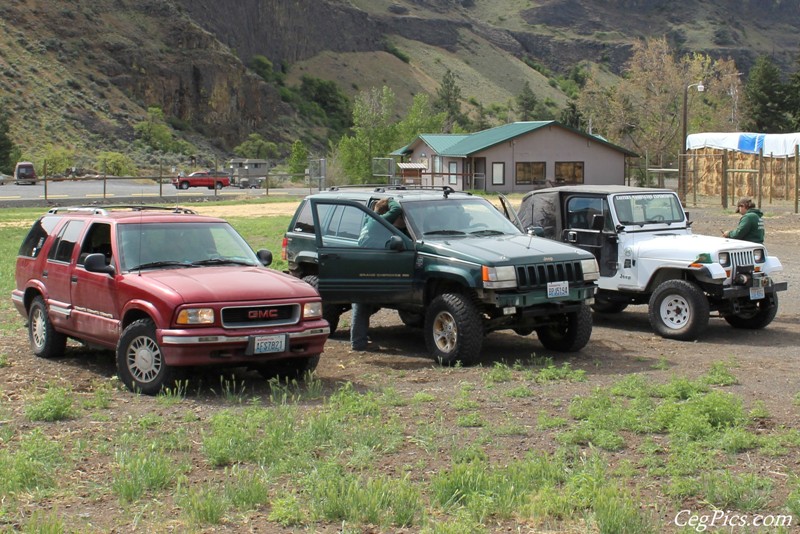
(751, 225)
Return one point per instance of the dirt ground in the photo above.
(766, 362)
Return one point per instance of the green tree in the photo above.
(448, 100)
(155, 132)
(298, 160)
(115, 164)
(419, 119)
(265, 69)
(571, 116)
(766, 99)
(7, 148)
(526, 103)
(324, 99)
(59, 159)
(374, 133)
(256, 147)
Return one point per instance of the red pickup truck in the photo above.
(209, 179)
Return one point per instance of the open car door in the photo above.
(510, 213)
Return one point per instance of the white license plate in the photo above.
(557, 289)
(756, 293)
(267, 344)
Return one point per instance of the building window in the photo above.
(569, 171)
(530, 172)
(498, 173)
(453, 177)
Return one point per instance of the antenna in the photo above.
(141, 232)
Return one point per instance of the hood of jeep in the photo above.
(225, 284)
(505, 249)
(684, 247)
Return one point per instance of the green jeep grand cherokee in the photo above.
(461, 269)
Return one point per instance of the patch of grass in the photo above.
(746, 493)
(174, 395)
(719, 375)
(56, 404)
(139, 472)
(32, 465)
(519, 392)
(565, 372)
(205, 505)
(499, 373)
(4, 362)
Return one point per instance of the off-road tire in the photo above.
(140, 362)
(330, 312)
(570, 333)
(414, 320)
(453, 329)
(678, 309)
(761, 317)
(289, 369)
(604, 305)
(45, 341)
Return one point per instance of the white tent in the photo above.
(776, 145)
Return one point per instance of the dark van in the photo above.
(24, 174)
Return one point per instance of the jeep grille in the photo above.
(250, 316)
(741, 258)
(530, 276)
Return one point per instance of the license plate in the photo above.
(267, 344)
(557, 289)
(756, 293)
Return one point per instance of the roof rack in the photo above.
(95, 210)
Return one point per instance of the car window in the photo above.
(97, 240)
(581, 211)
(183, 243)
(305, 221)
(34, 241)
(648, 208)
(448, 217)
(64, 244)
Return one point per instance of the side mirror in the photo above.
(96, 263)
(264, 256)
(598, 222)
(396, 243)
(535, 230)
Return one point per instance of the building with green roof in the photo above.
(515, 157)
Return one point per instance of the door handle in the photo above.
(73, 279)
(327, 256)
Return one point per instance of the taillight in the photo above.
(284, 244)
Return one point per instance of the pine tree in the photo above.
(7, 150)
(526, 103)
(765, 99)
(448, 100)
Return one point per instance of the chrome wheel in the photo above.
(445, 332)
(144, 359)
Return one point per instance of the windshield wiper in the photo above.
(222, 261)
(487, 232)
(444, 232)
(154, 264)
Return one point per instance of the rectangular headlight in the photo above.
(312, 310)
(590, 269)
(499, 277)
(724, 259)
(196, 316)
(759, 256)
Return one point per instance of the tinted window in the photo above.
(65, 242)
(34, 241)
(97, 240)
(581, 211)
(304, 221)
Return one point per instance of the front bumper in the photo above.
(216, 346)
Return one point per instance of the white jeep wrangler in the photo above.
(648, 254)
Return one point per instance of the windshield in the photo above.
(648, 208)
(454, 217)
(154, 245)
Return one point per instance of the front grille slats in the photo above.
(250, 316)
(741, 258)
(538, 275)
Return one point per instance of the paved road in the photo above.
(128, 190)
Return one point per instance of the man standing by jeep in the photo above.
(392, 212)
(751, 225)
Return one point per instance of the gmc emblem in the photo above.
(262, 314)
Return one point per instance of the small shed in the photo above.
(411, 173)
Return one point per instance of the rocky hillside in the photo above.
(82, 73)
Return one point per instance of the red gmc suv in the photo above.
(165, 288)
